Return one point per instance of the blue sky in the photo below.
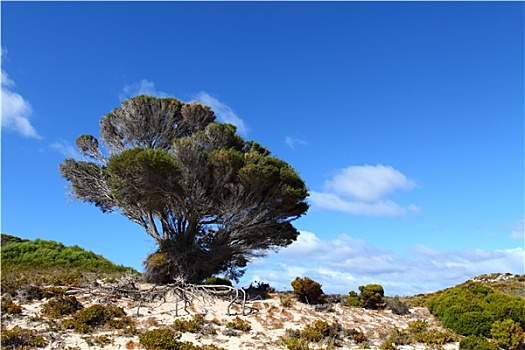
(405, 119)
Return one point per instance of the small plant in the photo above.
(194, 325)
(388, 345)
(100, 340)
(8, 306)
(21, 339)
(285, 299)
(296, 344)
(239, 325)
(308, 290)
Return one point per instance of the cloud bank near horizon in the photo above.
(344, 263)
(362, 190)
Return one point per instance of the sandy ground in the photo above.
(268, 318)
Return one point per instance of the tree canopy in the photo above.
(210, 199)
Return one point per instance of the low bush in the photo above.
(239, 324)
(167, 339)
(21, 339)
(472, 308)
(397, 306)
(8, 306)
(308, 290)
(99, 317)
(60, 306)
(476, 342)
(372, 296)
(507, 334)
(194, 325)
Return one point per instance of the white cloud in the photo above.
(66, 149)
(292, 142)
(359, 190)
(16, 111)
(144, 87)
(344, 263)
(223, 111)
(368, 183)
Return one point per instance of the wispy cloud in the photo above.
(143, 87)
(16, 111)
(344, 263)
(361, 190)
(292, 142)
(66, 149)
(224, 112)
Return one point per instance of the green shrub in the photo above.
(476, 342)
(166, 339)
(296, 344)
(159, 339)
(219, 281)
(239, 325)
(372, 296)
(307, 290)
(10, 307)
(471, 309)
(194, 325)
(21, 339)
(99, 316)
(60, 306)
(353, 299)
(507, 334)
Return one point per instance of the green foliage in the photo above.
(10, 307)
(166, 339)
(372, 296)
(353, 300)
(99, 317)
(218, 281)
(21, 339)
(507, 334)
(476, 342)
(239, 324)
(194, 325)
(60, 306)
(419, 332)
(42, 254)
(296, 344)
(471, 309)
(159, 339)
(307, 290)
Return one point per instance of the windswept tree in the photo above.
(211, 200)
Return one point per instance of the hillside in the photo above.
(95, 304)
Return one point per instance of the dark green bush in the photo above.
(476, 342)
(372, 296)
(471, 309)
(193, 326)
(307, 290)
